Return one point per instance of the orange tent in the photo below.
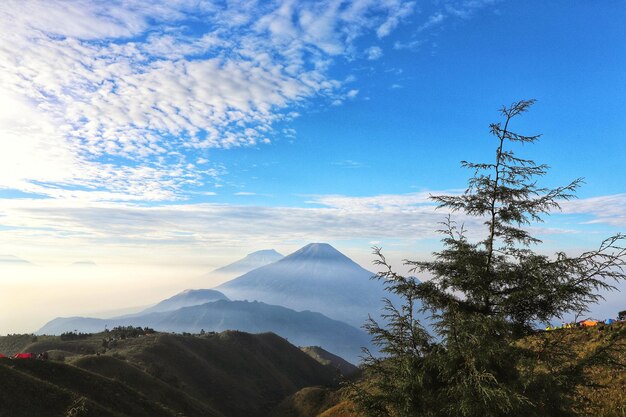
(588, 323)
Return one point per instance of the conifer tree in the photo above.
(483, 298)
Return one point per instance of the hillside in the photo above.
(317, 277)
(604, 397)
(230, 374)
(59, 387)
(301, 328)
(326, 358)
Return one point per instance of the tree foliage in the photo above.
(483, 298)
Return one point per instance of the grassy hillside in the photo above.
(308, 402)
(12, 344)
(152, 388)
(326, 358)
(231, 374)
(58, 388)
(605, 396)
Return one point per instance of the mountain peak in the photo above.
(251, 261)
(316, 277)
(318, 251)
(319, 246)
(264, 253)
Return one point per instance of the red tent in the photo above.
(24, 356)
(2, 356)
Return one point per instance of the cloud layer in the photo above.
(125, 229)
(123, 98)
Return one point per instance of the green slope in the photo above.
(37, 388)
(152, 388)
(231, 374)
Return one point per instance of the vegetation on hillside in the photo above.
(604, 395)
(229, 374)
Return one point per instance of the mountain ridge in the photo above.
(304, 328)
(185, 298)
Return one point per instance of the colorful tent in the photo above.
(24, 356)
(609, 321)
(2, 356)
(588, 323)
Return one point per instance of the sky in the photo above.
(160, 140)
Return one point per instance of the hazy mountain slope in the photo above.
(301, 328)
(185, 299)
(82, 324)
(251, 261)
(318, 278)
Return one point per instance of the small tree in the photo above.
(483, 298)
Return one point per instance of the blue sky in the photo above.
(192, 133)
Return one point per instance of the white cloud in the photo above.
(125, 92)
(463, 9)
(434, 20)
(349, 163)
(125, 230)
(400, 9)
(373, 53)
(610, 209)
(352, 93)
(411, 45)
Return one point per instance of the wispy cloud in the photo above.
(121, 97)
(349, 163)
(463, 9)
(610, 209)
(49, 224)
(434, 20)
(373, 53)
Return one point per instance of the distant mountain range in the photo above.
(300, 328)
(316, 296)
(317, 277)
(186, 298)
(251, 261)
